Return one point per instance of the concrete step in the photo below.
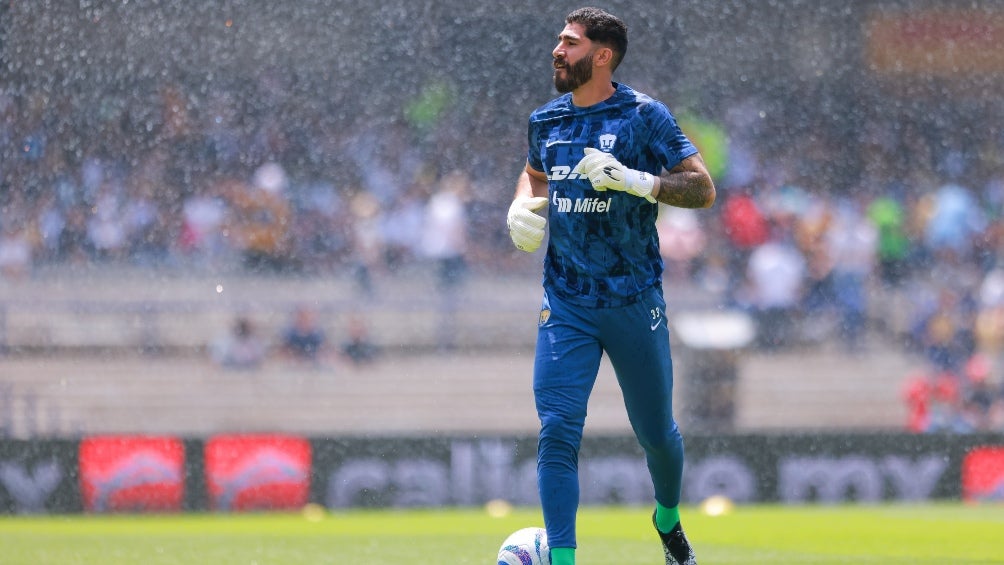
(426, 393)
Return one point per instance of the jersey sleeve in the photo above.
(667, 141)
(533, 157)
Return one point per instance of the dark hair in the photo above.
(603, 28)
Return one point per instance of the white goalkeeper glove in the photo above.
(605, 172)
(525, 227)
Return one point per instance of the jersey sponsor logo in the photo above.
(586, 205)
(563, 172)
(551, 142)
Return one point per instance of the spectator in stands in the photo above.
(444, 242)
(106, 229)
(321, 229)
(945, 335)
(303, 340)
(143, 224)
(981, 401)
(203, 213)
(933, 403)
(261, 219)
(745, 227)
(242, 348)
(15, 251)
(444, 234)
(851, 247)
(814, 228)
(358, 348)
(955, 218)
(367, 240)
(682, 239)
(50, 220)
(402, 225)
(74, 247)
(915, 398)
(775, 283)
(989, 336)
(893, 247)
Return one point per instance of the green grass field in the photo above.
(897, 534)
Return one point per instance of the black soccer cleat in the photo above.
(676, 546)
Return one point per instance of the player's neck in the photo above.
(593, 92)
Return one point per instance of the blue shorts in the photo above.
(571, 340)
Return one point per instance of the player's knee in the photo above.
(661, 440)
(559, 434)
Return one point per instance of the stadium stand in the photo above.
(127, 353)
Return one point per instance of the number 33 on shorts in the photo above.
(656, 318)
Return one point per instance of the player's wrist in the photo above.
(641, 184)
(656, 187)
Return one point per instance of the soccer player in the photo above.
(600, 157)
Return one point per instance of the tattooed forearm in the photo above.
(687, 185)
(686, 190)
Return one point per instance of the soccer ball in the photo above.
(525, 547)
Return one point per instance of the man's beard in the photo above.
(576, 74)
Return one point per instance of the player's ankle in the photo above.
(562, 556)
(666, 518)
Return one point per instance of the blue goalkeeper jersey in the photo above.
(603, 249)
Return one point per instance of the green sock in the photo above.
(562, 556)
(666, 518)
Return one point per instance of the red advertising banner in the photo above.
(132, 473)
(936, 42)
(983, 474)
(257, 472)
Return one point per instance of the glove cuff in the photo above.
(640, 183)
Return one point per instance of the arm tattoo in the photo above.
(685, 187)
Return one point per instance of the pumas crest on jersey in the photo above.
(545, 315)
(607, 142)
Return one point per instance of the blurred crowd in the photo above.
(218, 198)
(906, 243)
(911, 250)
(918, 270)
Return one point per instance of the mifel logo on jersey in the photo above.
(587, 205)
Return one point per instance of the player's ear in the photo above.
(604, 57)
